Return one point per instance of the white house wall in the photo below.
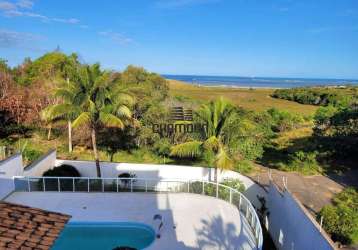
(291, 226)
(9, 167)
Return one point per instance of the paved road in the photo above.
(313, 191)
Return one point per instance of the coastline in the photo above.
(232, 82)
(226, 86)
(234, 86)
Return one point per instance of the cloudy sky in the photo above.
(284, 38)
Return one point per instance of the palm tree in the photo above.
(67, 110)
(67, 94)
(96, 101)
(101, 103)
(215, 115)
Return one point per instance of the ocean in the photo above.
(259, 82)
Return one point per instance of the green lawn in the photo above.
(252, 99)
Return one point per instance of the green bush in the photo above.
(62, 171)
(31, 155)
(284, 120)
(210, 188)
(322, 96)
(341, 218)
(235, 184)
(162, 147)
(243, 166)
(303, 162)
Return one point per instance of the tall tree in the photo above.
(100, 102)
(67, 110)
(215, 115)
(67, 93)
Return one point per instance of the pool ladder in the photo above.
(159, 218)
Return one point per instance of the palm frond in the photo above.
(212, 143)
(123, 98)
(110, 120)
(123, 111)
(187, 149)
(58, 111)
(82, 119)
(223, 161)
(64, 93)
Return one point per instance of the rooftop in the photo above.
(23, 227)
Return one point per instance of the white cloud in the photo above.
(116, 37)
(10, 39)
(26, 4)
(63, 20)
(21, 7)
(7, 6)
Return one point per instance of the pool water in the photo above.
(106, 236)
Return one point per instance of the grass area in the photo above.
(253, 99)
(290, 151)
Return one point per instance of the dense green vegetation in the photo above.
(323, 96)
(113, 113)
(341, 218)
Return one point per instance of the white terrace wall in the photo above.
(9, 167)
(38, 167)
(157, 171)
(291, 226)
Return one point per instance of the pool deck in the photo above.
(191, 221)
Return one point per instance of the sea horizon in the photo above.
(259, 82)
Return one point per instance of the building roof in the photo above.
(23, 227)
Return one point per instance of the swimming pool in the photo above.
(104, 235)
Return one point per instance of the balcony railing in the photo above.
(92, 184)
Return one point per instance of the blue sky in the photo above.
(283, 38)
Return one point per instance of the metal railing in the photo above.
(93, 184)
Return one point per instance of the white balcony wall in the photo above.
(9, 167)
(290, 224)
(157, 171)
(44, 163)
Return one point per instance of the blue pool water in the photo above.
(104, 236)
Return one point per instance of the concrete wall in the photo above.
(157, 171)
(9, 167)
(291, 226)
(38, 167)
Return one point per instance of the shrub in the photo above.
(341, 218)
(31, 155)
(243, 166)
(303, 162)
(284, 120)
(125, 182)
(233, 183)
(64, 184)
(162, 147)
(322, 96)
(210, 189)
(64, 170)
